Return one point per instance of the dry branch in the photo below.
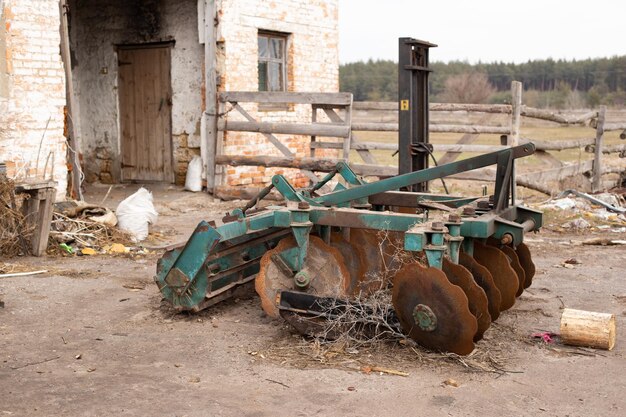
(14, 229)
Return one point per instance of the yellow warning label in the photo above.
(404, 104)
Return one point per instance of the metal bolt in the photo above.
(302, 280)
(506, 239)
(469, 211)
(454, 218)
(437, 226)
(303, 205)
(483, 204)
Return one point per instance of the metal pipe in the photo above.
(528, 225)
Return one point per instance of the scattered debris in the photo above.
(134, 286)
(579, 224)
(277, 382)
(611, 202)
(603, 242)
(23, 274)
(547, 337)
(88, 251)
(79, 356)
(35, 363)
(136, 213)
(370, 369)
(116, 248)
(78, 225)
(451, 383)
(572, 261)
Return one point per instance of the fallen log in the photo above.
(587, 328)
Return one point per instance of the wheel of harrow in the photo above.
(483, 278)
(433, 311)
(323, 265)
(477, 299)
(517, 267)
(363, 256)
(523, 253)
(503, 275)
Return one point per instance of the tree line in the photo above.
(552, 82)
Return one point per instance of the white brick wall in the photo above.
(313, 66)
(36, 93)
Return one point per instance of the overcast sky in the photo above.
(483, 30)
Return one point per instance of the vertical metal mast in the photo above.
(413, 142)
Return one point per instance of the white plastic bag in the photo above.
(193, 180)
(136, 213)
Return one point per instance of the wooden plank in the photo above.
(273, 139)
(466, 139)
(347, 144)
(542, 114)
(337, 99)
(364, 152)
(210, 143)
(313, 164)
(393, 127)
(347, 141)
(74, 140)
(438, 107)
(548, 158)
(277, 143)
(615, 126)
(309, 129)
(558, 174)
(437, 147)
(559, 145)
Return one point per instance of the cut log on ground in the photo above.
(587, 328)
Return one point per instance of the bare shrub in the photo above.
(468, 87)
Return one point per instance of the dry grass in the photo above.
(14, 231)
(84, 232)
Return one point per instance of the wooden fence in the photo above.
(342, 123)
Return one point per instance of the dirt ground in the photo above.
(92, 337)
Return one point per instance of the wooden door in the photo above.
(145, 102)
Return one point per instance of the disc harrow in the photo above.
(314, 257)
(453, 277)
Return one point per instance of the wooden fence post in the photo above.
(516, 113)
(597, 157)
(513, 138)
(209, 140)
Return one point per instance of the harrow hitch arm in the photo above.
(411, 178)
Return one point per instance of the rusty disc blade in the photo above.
(517, 267)
(523, 253)
(323, 263)
(363, 256)
(477, 299)
(503, 275)
(483, 278)
(432, 311)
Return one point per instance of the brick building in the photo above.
(138, 72)
(32, 91)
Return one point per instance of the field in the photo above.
(92, 337)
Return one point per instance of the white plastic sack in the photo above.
(193, 180)
(136, 213)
